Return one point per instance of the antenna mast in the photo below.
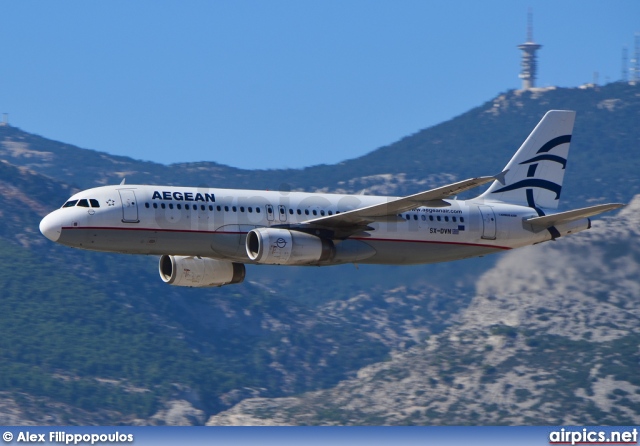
(529, 63)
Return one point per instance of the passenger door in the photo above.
(129, 206)
(488, 222)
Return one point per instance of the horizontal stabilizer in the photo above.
(566, 217)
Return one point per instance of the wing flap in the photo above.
(566, 217)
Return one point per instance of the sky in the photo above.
(283, 84)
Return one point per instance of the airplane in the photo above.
(205, 236)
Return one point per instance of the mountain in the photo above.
(94, 338)
(478, 142)
(601, 169)
(550, 338)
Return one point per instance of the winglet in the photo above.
(500, 177)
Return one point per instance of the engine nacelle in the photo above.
(199, 271)
(284, 247)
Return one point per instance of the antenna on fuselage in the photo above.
(122, 182)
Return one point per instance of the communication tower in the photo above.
(529, 63)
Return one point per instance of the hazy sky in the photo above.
(273, 84)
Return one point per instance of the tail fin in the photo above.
(536, 171)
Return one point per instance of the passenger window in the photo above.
(415, 217)
(454, 219)
(315, 212)
(218, 208)
(186, 206)
(290, 211)
(202, 208)
(424, 218)
(94, 203)
(281, 211)
(430, 217)
(211, 207)
(163, 206)
(234, 208)
(330, 213)
(250, 209)
(70, 204)
(146, 205)
(155, 205)
(439, 218)
(83, 203)
(257, 210)
(306, 212)
(322, 213)
(461, 219)
(299, 212)
(170, 205)
(226, 208)
(446, 219)
(179, 206)
(241, 208)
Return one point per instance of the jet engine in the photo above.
(275, 246)
(199, 271)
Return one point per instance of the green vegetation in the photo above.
(101, 332)
(605, 132)
(60, 334)
(69, 339)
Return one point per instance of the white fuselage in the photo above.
(210, 222)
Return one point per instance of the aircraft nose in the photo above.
(50, 227)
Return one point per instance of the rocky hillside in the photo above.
(551, 337)
(94, 338)
(478, 142)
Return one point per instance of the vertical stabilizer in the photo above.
(536, 171)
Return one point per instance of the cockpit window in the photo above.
(94, 203)
(83, 203)
(70, 203)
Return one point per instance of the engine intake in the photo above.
(274, 246)
(199, 271)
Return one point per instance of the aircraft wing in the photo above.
(566, 217)
(357, 220)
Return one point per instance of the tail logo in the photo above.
(541, 155)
